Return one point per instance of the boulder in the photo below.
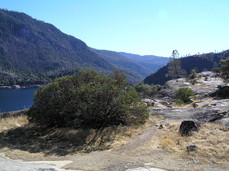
(222, 92)
(209, 115)
(223, 121)
(194, 105)
(187, 127)
(16, 86)
(149, 102)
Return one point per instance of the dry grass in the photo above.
(94, 139)
(17, 134)
(212, 143)
(190, 105)
(13, 122)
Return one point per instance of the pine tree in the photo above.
(224, 69)
(174, 66)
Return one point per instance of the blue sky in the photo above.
(143, 27)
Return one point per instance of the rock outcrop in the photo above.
(211, 103)
(222, 92)
(187, 127)
(204, 84)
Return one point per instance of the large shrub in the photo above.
(183, 95)
(147, 90)
(87, 99)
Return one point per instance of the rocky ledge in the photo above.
(211, 103)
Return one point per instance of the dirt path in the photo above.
(141, 140)
(143, 151)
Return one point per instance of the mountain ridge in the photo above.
(151, 62)
(132, 68)
(27, 42)
(32, 51)
(203, 62)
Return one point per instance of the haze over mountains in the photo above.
(32, 51)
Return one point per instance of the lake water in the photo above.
(16, 99)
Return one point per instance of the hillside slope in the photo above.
(134, 70)
(204, 62)
(34, 51)
(151, 62)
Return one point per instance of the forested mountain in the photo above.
(32, 51)
(132, 68)
(136, 67)
(204, 62)
(151, 62)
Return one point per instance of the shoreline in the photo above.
(21, 86)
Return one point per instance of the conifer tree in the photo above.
(224, 69)
(174, 66)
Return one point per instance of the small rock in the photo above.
(16, 86)
(194, 105)
(196, 161)
(164, 103)
(160, 127)
(187, 127)
(149, 102)
(167, 125)
(191, 148)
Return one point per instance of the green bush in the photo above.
(216, 70)
(179, 102)
(224, 69)
(87, 99)
(193, 73)
(183, 95)
(146, 90)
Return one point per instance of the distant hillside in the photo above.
(134, 71)
(151, 62)
(135, 66)
(204, 62)
(32, 51)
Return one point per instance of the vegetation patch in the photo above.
(7, 123)
(147, 90)
(88, 100)
(223, 70)
(183, 95)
